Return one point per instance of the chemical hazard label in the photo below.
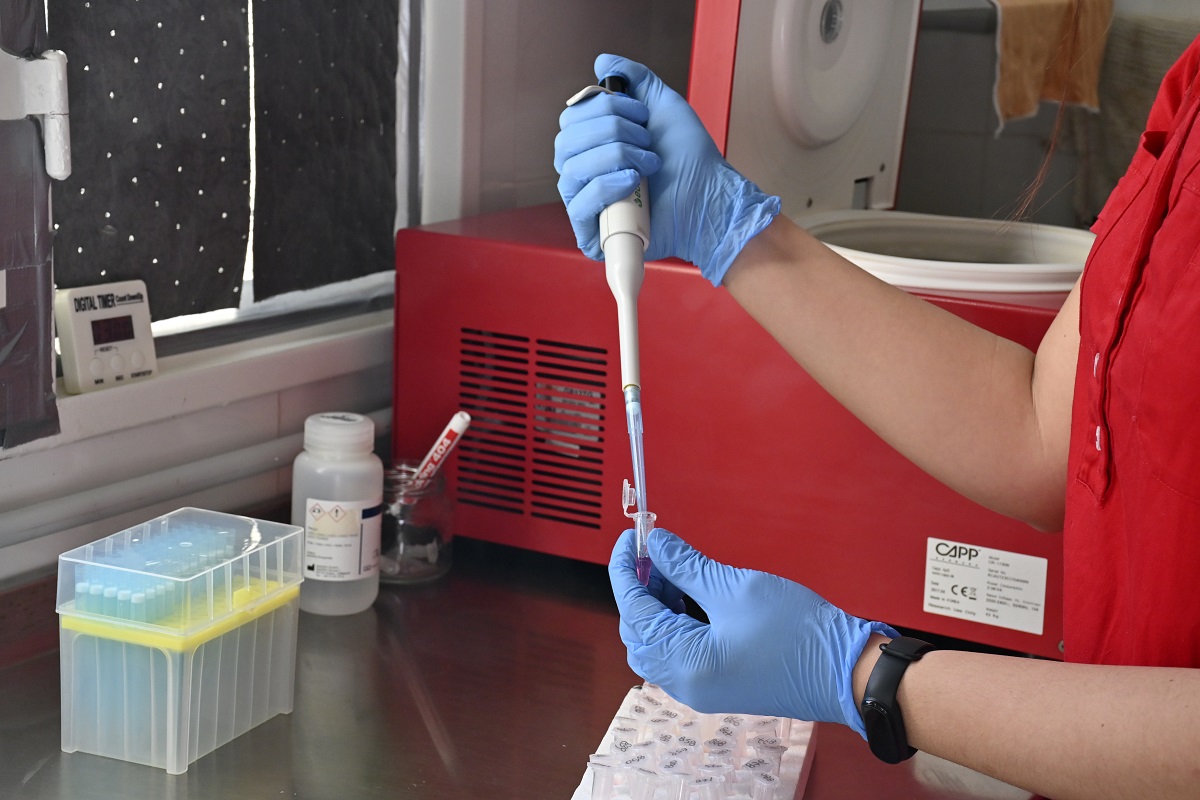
(341, 539)
(982, 584)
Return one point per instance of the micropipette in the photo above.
(624, 237)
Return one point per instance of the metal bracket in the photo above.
(38, 87)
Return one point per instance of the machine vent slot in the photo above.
(494, 390)
(567, 432)
(536, 441)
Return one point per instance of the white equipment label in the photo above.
(985, 585)
(341, 539)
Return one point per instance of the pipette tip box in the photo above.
(177, 635)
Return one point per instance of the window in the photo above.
(227, 153)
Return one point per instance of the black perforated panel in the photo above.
(160, 112)
(326, 186)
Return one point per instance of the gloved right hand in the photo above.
(771, 646)
(701, 209)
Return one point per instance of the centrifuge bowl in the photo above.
(924, 251)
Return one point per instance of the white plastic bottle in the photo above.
(337, 497)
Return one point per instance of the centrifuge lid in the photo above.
(820, 93)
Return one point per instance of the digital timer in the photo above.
(104, 335)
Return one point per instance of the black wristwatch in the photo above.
(880, 711)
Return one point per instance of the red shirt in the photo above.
(1132, 533)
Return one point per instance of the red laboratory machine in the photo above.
(746, 456)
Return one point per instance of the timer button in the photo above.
(117, 363)
(137, 360)
(96, 368)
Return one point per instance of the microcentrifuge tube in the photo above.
(644, 784)
(765, 741)
(765, 726)
(602, 780)
(626, 769)
(620, 746)
(764, 786)
(681, 753)
(717, 770)
(686, 741)
(733, 735)
(625, 733)
(646, 748)
(663, 741)
(634, 762)
(733, 727)
(718, 743)
(660, 726)
(676, 777)
(643, 523)
(709, 788)
(772, 753)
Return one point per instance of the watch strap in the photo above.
(881, 714)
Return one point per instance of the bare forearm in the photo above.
(1061, 730)
(955, 399)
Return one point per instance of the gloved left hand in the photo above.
(771, 646)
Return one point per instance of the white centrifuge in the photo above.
(819, 96)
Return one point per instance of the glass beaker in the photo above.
(417, 526)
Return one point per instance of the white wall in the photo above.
(1186, 10)
(954, 163)
(216, 428)
(499, 72)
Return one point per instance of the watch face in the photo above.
(874, 713)
(884, 733)
(881, 715)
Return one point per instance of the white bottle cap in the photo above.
(340, 431)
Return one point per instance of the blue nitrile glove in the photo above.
(701, 209)
(771, 646)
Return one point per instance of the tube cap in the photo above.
(341, 431)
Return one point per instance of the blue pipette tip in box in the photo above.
(140, 608)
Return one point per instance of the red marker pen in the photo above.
(445, 443)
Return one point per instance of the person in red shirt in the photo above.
(1097, 435)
